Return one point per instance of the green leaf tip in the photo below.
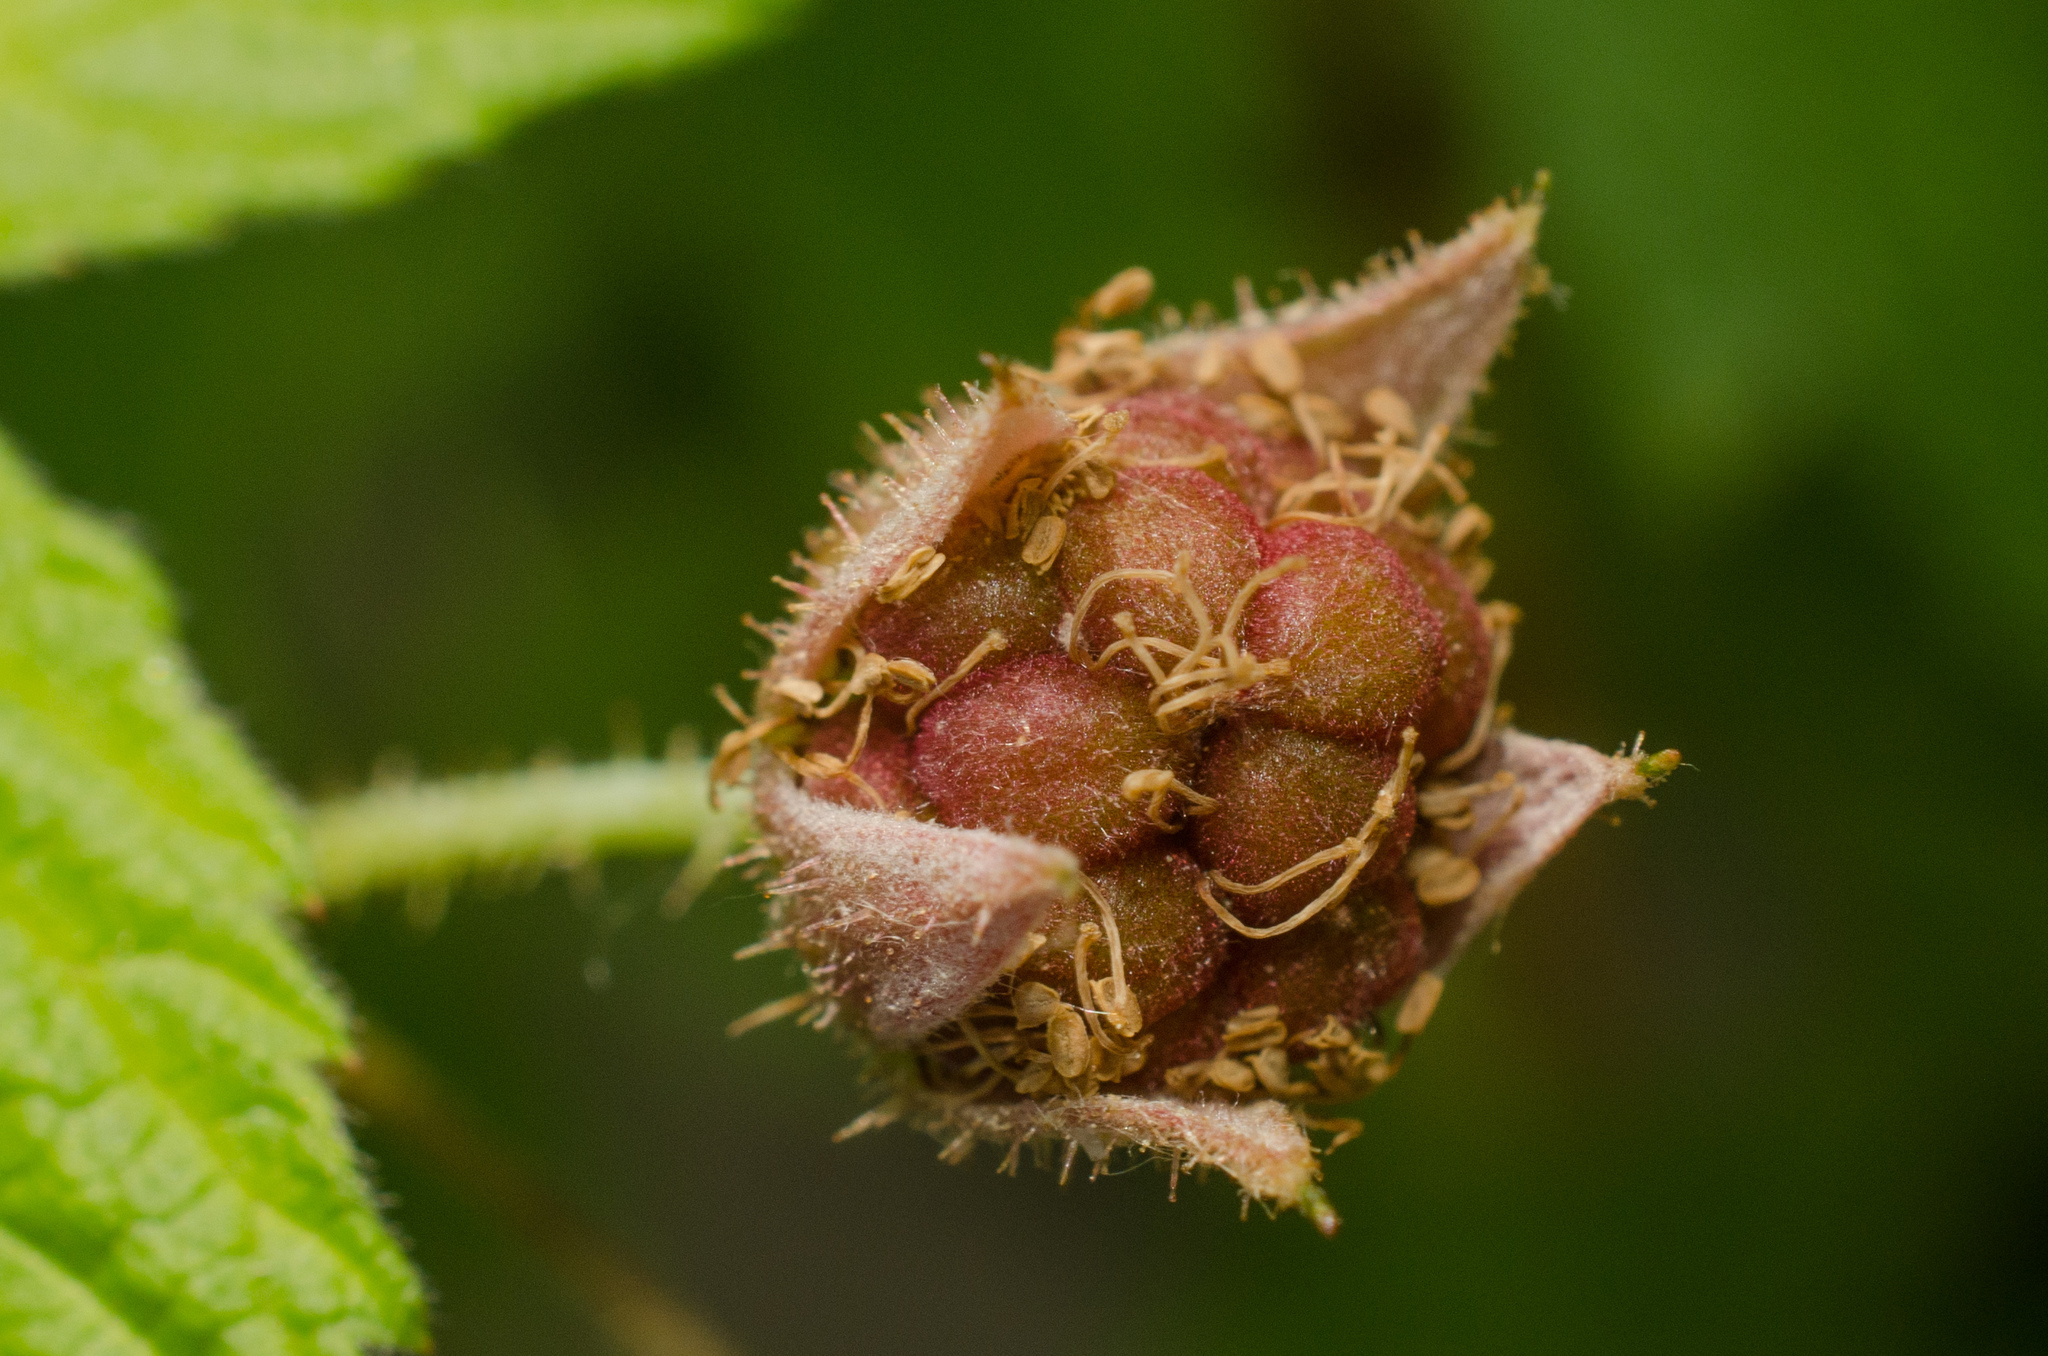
(1653, 768)
(174, 1175)
(1315, 1203)
(141, 124)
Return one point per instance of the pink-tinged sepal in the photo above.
(902, 923)
(1261, 1144)
(939, 464)
(1427, 328)
(1528, 797)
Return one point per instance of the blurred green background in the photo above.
(1765, 1069)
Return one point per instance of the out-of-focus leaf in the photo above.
(136, 123)
(1791, 235)
(174, 1176)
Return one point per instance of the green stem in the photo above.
(430, 833)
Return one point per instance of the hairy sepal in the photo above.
(927, 480)
(1428, 329)
(1563, 785)
(902, 923)
(1260, 1144)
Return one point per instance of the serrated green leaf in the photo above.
(174, 1176)
(135, 123)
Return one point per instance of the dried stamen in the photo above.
(1077, 650)
(1066, 1038)
(1355, 851)
(1141, 646)
(1034, 1004)
(920, 566)
(1400, 474)
(805, 693)
(1253, 1029)
(733, 748)
(1321, 417)
(1090, 451)
(1274, 362)
(1343, 1130)
(1158, 783)
(1440, 875)
(1229, 1074)
(771, 1012)
(1469, 526)
(1276, 1074)
(1500, 619)
(1266, 415)
(990, 643)
(1121, 1004)
(1344, 1067)
(1333, 451)
(896, 680)
(1386, 407)
(1043, 546)
(828, 766)
(1127, 291)
(1257, 1032)
(1213, 454)
(972, 1035)
(1452, 805)
(1089, 934)
(1420, 1003)
(1043, 503)
(1204, 675)
(1089, 364)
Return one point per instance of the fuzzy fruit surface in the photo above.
(1364, 645)
(1041, 747)
(1468, 647)
(1378, 632)
(1154, 514)
(1172, 945)
(980, 588)
(1343, 963)
(1183, 427)
(1283, 795)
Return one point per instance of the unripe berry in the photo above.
(1364, 647)
(1172, 945)
(983, 586)
(1343, 963)
(1468, 648)
(1294, 998)
(1184, 428)
(1284, 795)
(1041, 747)
(1155, 514)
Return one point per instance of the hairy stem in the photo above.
(400, 1094)
(430, 833)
